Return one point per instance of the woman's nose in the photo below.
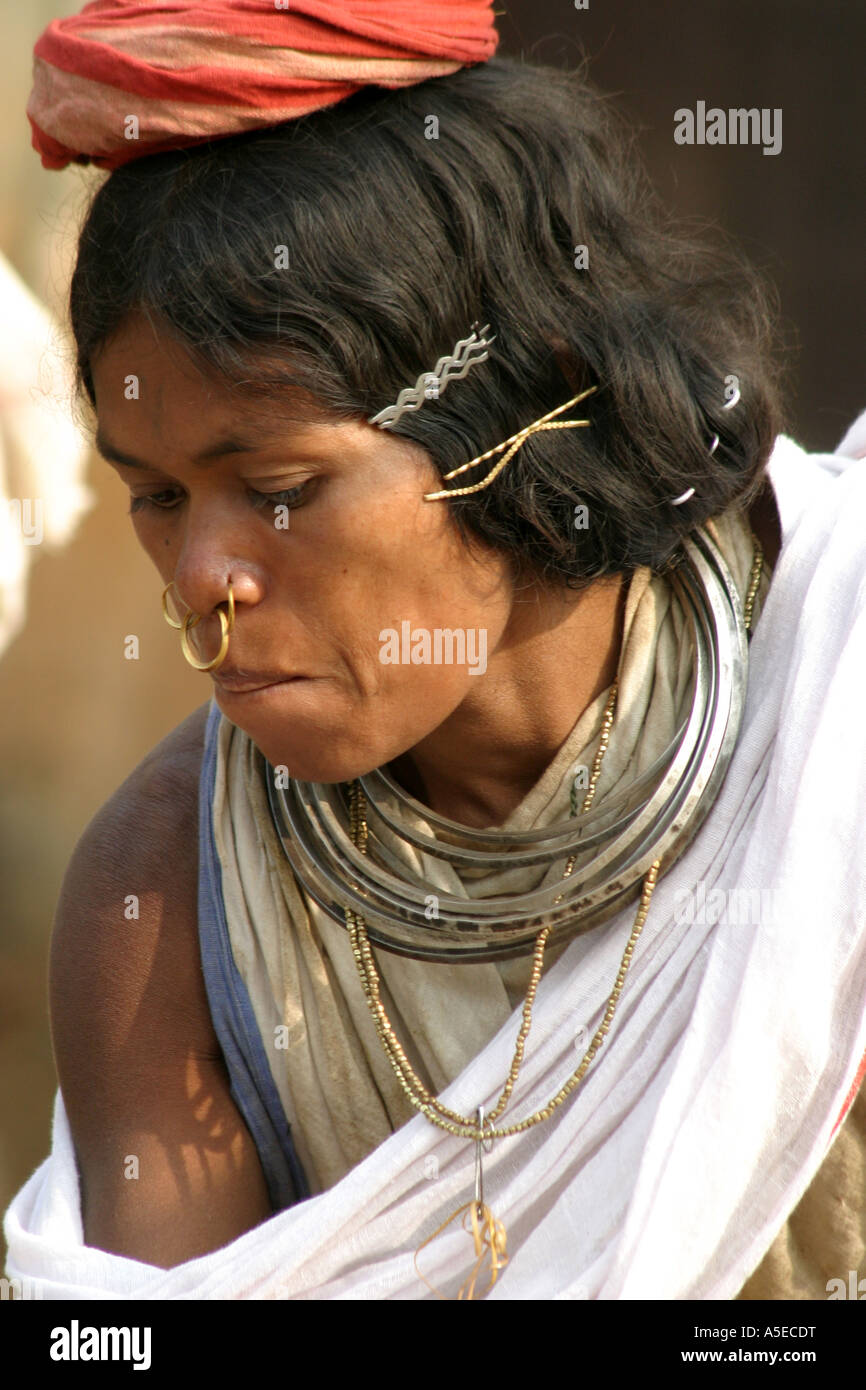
(202, 572)
(228, 585)
(208, 558)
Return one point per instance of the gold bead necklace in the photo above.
(412, 1085)
(488, 1233)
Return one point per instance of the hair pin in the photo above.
(468, 352)
(512, 444)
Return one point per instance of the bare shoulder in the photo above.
(161, 791)
(168, 1169)
(128, 905)
(166, 779)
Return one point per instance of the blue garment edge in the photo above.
(252, 1084)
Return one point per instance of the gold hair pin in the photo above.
(545, 422)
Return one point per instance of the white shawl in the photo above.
(734, 1048)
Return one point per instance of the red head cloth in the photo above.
(127, 77)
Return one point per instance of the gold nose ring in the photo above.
(227, 622)
(172, 622)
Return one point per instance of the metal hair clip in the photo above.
(690, 492)
(430, 385)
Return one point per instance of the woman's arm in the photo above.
(167, 1166)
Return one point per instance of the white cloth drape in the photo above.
(43, 495)
(735, 1044)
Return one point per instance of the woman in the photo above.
(453, 462)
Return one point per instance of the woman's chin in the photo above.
(307, 767)
(298, 747)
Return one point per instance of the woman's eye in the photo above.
(288, 497)
(166, 499)
(152, 500)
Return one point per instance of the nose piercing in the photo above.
(227, 622)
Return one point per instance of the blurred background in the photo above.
(76, 717)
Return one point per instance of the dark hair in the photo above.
(398, 242)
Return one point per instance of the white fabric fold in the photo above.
(715, 1096)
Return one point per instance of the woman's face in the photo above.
(362, 552)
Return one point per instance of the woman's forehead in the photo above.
(146, 366)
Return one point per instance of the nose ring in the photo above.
(227, 622)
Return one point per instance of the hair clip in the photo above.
(690, 492)
(545, 422)
(468, 352)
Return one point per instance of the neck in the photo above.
(558, 653)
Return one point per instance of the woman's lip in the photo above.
(237, 685)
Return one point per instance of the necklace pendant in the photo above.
(488, 1234)
(479, 1159)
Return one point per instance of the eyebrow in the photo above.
(220, 447)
